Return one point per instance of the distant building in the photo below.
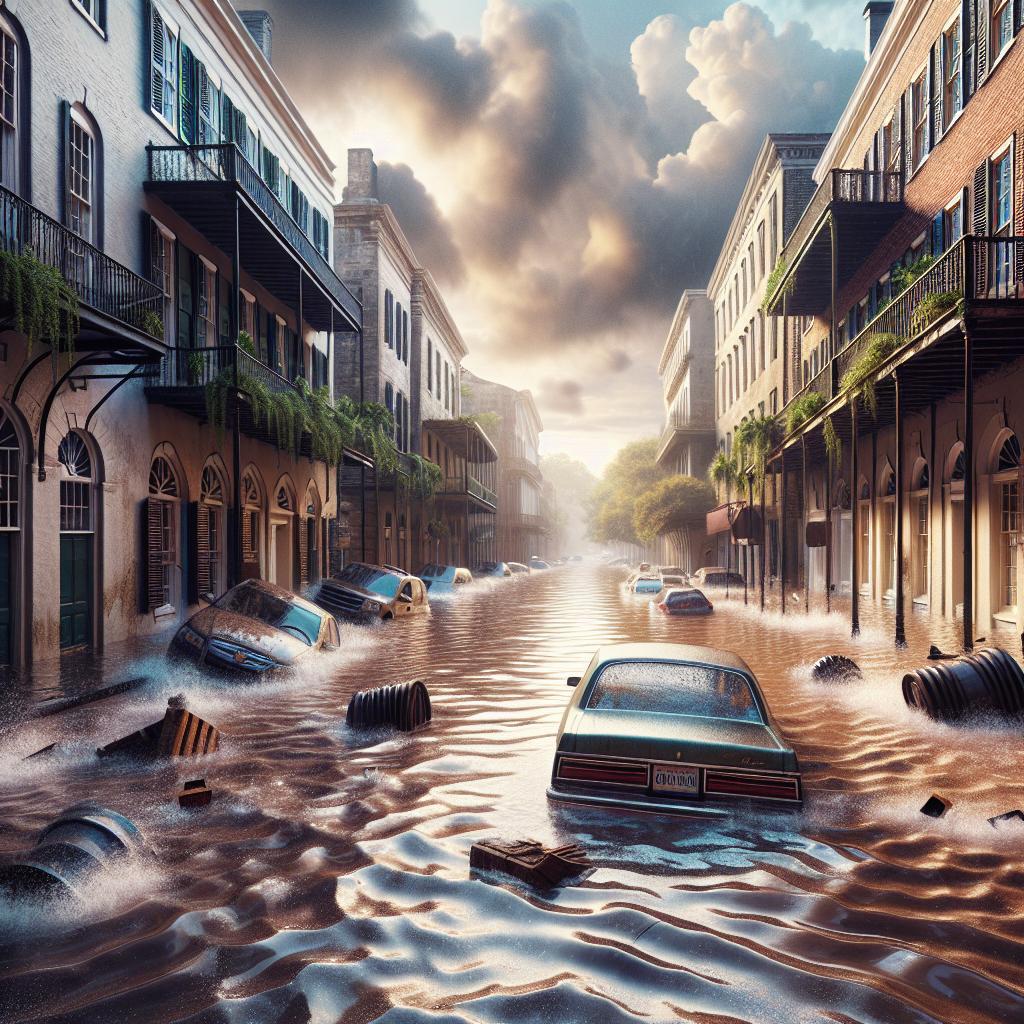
(511, 415)
(408, 359)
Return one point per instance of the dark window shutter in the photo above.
(938, 246)
(187, 96)
(154, 565)
(1018, 15)
(65, 160)
(189, 541)
(303, 527)
(204, 106)
(907, 107)
(156, 63)
(227, 119)
(981, 43)
(202, 561)
(980, 226)
(297, 546)
(248, 540)
(937, 91)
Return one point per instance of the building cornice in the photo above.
(380, 221)
(435, 307)
(901, 28)
(231, 32)
(676, 327)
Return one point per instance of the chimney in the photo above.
(260, 26)
(876, 13)
(362, 177)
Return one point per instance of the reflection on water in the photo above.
(330, 880)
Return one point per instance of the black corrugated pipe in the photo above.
(403, 706)
(987, 681)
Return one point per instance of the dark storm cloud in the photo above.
(562, 396)
(423, 223)
(619, 360)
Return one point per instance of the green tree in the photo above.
(632, 472)
(671, 508)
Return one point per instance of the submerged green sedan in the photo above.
(674, 728)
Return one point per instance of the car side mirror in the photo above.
(573, 680)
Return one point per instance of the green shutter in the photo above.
(187, 96)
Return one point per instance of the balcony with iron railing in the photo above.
(675, 373)
(680, 428)
(218, 190)
(530, 522)
(975, 289)
(466, 485)
(846, 218)
(116, 304)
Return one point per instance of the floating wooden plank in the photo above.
(179, 734)
(529, 861)
(195, 793)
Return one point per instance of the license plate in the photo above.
(671, 779)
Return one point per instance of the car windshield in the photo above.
(673, 688)
(365, 576)
(436, 571)
(268, 608)
(694, 599)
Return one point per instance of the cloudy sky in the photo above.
(565, 169)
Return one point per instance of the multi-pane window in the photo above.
(80, 179)
(211, 531)
(93, 10)
(163, 69)
(8, 111)
(760, 250)
(864, 555)
(9, 460)
(206, 305)
(76, 487)
(1002, 25)
(1009, 526)
(952, 97)
(163, 491)
(919, 119)
(921, 548)
(952, 223)
(161, 271)
(1002, 194)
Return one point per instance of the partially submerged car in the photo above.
(518, 567)
(497, 569)
(443, 579)
(684, 601)
(716, 576)
(671, 727)
(644, 583)
(364, 591)
(254, 628)
(673, 580)
(538, 563)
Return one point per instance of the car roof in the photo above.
(280, 592)
(672, 652)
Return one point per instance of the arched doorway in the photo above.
(211, 554)
(282, 535)
(864, 560)
(920, 523)
(164, 525)
(954, 542)
(1005, 526)
(10, 531)
(309, 540)
(253, 506)
(842, 545)
(887, 532)
(77, 541)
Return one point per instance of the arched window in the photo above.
(10, 475)
(76, 487)
(1009, 455)
(252, 517)
(959, 466)
(81, 175)
(1006, 508)
(920, 519)
(210, 568)
(284, 499)
(164, 532)
(77, 541)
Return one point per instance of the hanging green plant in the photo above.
(833, 445)
(903, 277)
(45, 307)
(246, 344)
(860, 377)
(801, 409)
(195, 367)
(488, 422)
(931, 307)
(754, 440)
(722, 471)
(772, 284)
(424, 478)
(437, 529)
(153, 323)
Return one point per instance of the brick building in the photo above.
(908, 269)
(151, 156)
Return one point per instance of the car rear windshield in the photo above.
(274, 611)
(674, 688)
(365, 576)
(436, 571)
(694, 600)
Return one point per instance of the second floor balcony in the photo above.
(217, 190)
(680, 429)
(476, 479)
(119, 310)
(847, 217)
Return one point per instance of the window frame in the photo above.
(172, 32)
(997, 9)
(952, 73)
(920, 112)
(88, 171)
(97, 21)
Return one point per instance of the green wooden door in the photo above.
(5, 599)
(75, 589)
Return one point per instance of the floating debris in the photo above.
(987, 681)
(52, 707)
(934, 654)
(83, 841)
(1007, 818)
(404, 706)
(528, 861)
(195, 793)
(835, 668)
(936, 806)
(179, 734)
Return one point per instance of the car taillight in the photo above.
(611, 773)
(769, 787)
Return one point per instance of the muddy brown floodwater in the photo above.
(329, 880)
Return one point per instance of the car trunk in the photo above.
(678, 738)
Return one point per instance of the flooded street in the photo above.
(329, 880)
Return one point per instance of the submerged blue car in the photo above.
(444, 579)
(671, 727)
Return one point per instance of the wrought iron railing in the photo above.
(529, 521)
(197, 367)
(227, 163)
(523, 465)
(974, 269)
(468, 484)
(100, 282)
(676, 423)
(675, 372)
(842, 186)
